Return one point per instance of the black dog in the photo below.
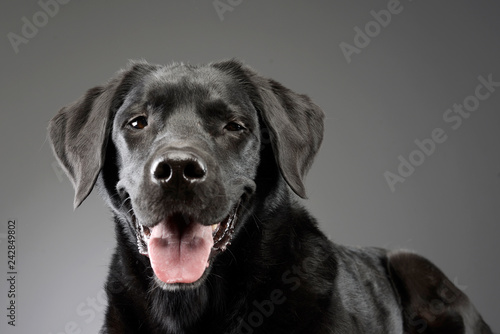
(197, 164)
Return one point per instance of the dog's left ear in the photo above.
(295, 123)
(79, 132)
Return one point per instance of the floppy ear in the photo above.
(295, 123)
(79, 132)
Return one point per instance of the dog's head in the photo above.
(177, 153)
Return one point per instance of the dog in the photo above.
(203, 169)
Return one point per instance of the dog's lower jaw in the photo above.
(222, 234)
(169, 312)
(173, 314)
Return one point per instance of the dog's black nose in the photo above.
(178, 169)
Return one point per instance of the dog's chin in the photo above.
(181, 286)
(181, 249)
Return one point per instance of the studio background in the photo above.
(381, 95)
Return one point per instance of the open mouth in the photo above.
(180, 248)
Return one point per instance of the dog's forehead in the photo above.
(185, 95)
(186, 84)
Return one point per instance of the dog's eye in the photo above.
(233, 126)
(139, 123)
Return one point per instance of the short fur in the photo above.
(280, 274)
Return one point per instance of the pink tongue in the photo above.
(179, 256)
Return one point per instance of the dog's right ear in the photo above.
(294, 122)
(79, 132)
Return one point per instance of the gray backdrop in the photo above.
(407, 100)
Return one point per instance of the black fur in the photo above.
(280, 274)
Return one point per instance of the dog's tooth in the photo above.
(146, 231)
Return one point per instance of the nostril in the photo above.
(178, 169)
(163, 171)
(194, 170)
